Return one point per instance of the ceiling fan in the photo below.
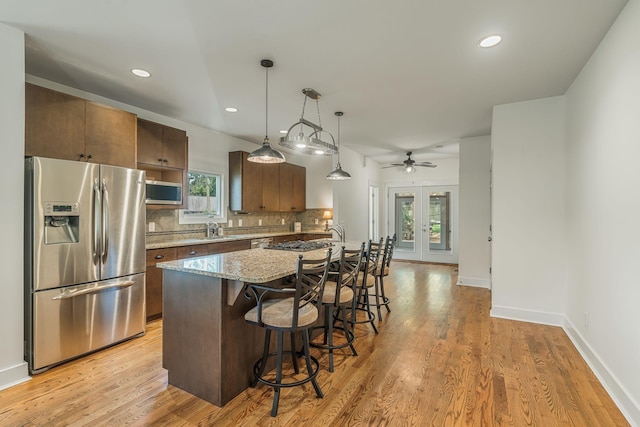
(409, 165)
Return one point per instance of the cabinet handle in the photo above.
(293, 209)
(82, 155)
(159, 256)
(193, 253)
(165, 161)
(89, 156)
(160, 160)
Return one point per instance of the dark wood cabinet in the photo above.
(292, 188)
(153, 297)
(256, 187)
(161, 146)
(62, 126)
(163, 154)
(154, 274)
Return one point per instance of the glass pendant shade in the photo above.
(266, 154)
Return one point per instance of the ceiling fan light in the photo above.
(410, 169)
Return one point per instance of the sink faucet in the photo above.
(213, 229)
(339, 231)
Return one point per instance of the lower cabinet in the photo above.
(154, 280)
(154, 274)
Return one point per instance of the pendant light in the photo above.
(313, 143)
(266, 154)
(338, 174)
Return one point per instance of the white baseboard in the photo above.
(627, 405)
(542, 317)
(14, 375)
(474, 281)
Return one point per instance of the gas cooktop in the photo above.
(300, 246)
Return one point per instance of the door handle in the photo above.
(71, 293)
(97, 203)
(105, 221)
(489, 239)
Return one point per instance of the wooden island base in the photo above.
(207, 347)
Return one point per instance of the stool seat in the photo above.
(277, 314)
(329, 297)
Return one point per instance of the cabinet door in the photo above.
(153, 296)
(110, 136)
(54, 124)
(299, 185)
(149, 142)
(270, 187)
(286, 187)
(251, 185)
(174, 148)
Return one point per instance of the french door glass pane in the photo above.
(405, 220)
(439, 228)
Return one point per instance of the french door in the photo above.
(425, 221)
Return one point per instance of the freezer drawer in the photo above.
(71, 321)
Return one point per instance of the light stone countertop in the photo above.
(170, 243)
(251, 265)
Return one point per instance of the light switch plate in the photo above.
(230, 223)
(239, 223)
(152, 226)
(259, 222)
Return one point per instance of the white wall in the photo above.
(13, 369)
(475, 212)
(351, 197)
(603, 210)
(528, 247)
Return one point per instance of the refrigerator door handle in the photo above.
(97, 202)
(73, 293)
(105, 221)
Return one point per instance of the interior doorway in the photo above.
(374, 209)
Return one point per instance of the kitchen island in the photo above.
(208, 349)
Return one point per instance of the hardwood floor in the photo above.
(439, 360)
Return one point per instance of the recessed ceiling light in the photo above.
(301, 145)
(319, 152)
(490, 41)
(141, 73)
(231, 110)
(284, 131)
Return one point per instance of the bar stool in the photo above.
(339, 292)
(381, 272)
(289, 310)
(369, 268)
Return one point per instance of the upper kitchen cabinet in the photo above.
(161, 146)
(265, 187)
(253, 187)
(62, 126)
(292, 188)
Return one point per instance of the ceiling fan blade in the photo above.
(430, 165)
(392, 166)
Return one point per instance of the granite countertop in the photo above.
(251, 265)
(202, 241)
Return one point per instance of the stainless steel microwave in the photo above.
(164, 193)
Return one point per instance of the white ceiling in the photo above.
(408, 73)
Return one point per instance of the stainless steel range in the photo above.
(300, 246)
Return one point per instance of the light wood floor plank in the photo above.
(439, 360)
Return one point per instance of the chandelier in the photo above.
(312, 141)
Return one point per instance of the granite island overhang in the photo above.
(207, 347)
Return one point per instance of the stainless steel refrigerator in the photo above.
(84, 258)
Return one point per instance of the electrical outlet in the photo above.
(152, 226)
(260, 222)
(315, 221)
(282, 221)
(239, 223)
(230, 223)
(586, 319)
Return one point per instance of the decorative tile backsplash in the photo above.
(167, 224)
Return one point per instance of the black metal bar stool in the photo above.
(339, 293)
(381, 272)
(368, 281)
(289, 310)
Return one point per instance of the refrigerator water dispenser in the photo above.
(61, 223)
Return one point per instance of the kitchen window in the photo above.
(204, 198)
